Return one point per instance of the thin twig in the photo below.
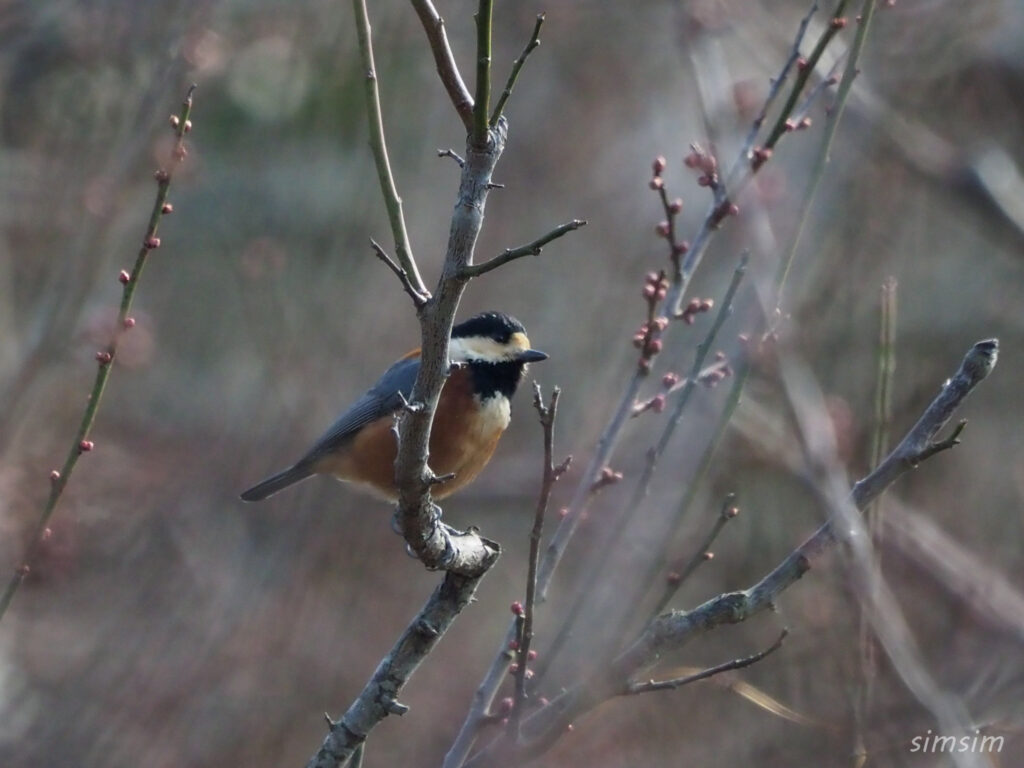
(378, 143)
(481, 103)
(683, 568)
(835, 114)
(551, 474)
(777, 82)
(453, 155)
(516, 66)
(704, 674)
(615, 532)
(181, 124)
(804, 72)
(418, 299)
(444, 60)
(511, 254)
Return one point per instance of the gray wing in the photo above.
(381, 400)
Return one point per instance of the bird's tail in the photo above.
(275, 483)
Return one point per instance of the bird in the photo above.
(488, 354)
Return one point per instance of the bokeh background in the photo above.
(167, 624)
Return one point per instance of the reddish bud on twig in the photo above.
(661, 323)
(760, 157)
(731, 512)
(167, 208)
(506, 704)
(673, 578)
(801, 63)
(528, 674)
(188, 126)
(85, 446)
(644, 365)
(152, 242)
(658, 166)
(513, 645)
(54, 476)
(649, 291)
(656, 183)
(675, 206)
(563, 512)
(103, 357)
(654, 347)
(161, 175)
(47, 533)
(123, 277)
(662, 229)
(129, 323)
(517, 608)
(658, 403)
(669, 380)
(174, 121)
(838, 23)
(513, 669)
(531, 655)
(681, 248)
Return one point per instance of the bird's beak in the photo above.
(531, 356)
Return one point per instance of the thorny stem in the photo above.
(105, 357)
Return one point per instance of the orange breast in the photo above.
(462, 441)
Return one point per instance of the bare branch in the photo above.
(672, 631)
(81, 444)
(379, 698)
(418, 299)
(511, 254)
(444, 60)
(482, 100)
(547, 414)
(516, 66)
(378, 144)
(704, 674)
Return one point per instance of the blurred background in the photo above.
(167, 624)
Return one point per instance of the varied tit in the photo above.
(489, 353)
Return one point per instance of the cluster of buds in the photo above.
(696, 306)
(666, 228)
(655, 287)
(705, 162)
(797, 125)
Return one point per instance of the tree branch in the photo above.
(418, 299)
(380, 696)
(511, 254)
(704, 674)
(517, 65)
(672, 631)
(547, 414)
(378, 144)
(447, 69)
(181, 124)
(481, 103)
